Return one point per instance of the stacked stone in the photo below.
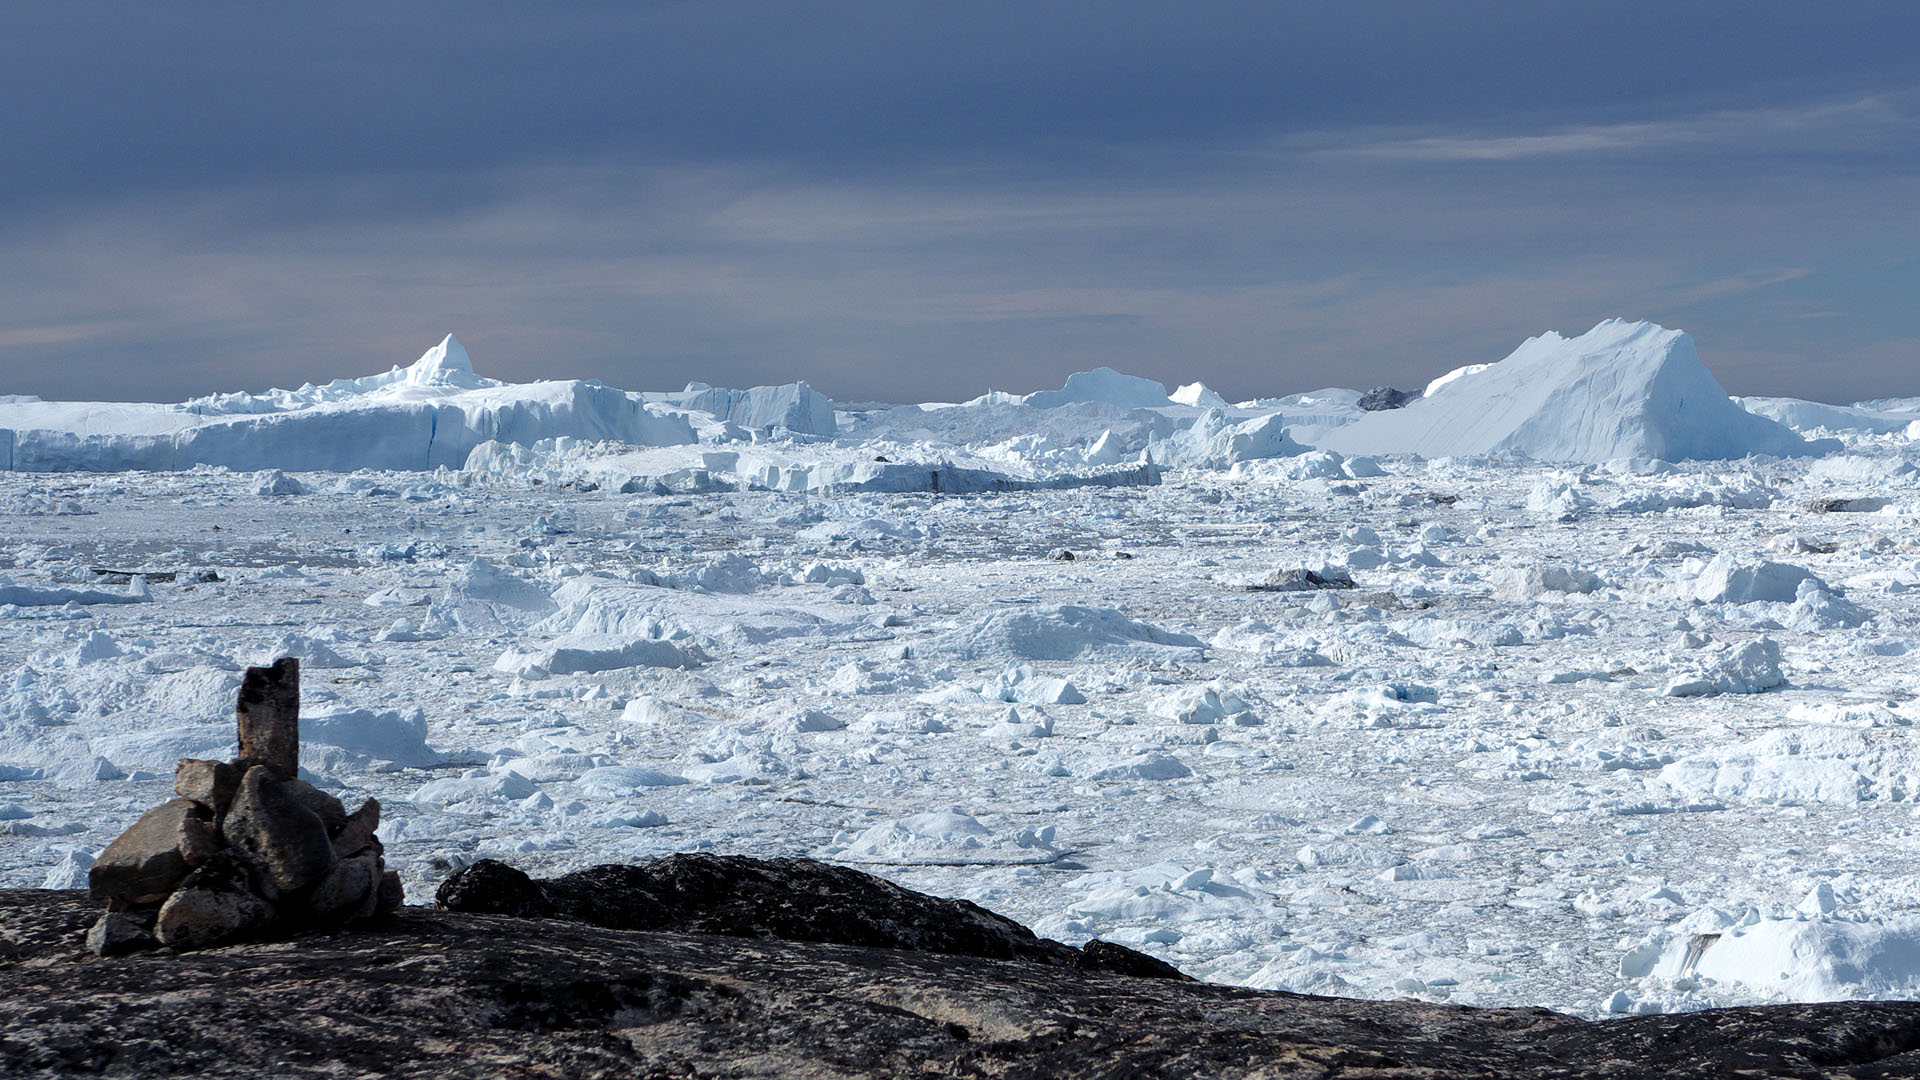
(247, 847)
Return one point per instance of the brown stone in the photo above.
(392, 893)
(145, 861)
(213, 905)
(357, 834)
(269, 713)
(209, 783)
(288, 840)
(199, 841)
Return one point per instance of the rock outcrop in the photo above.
(444, 994)
(1384, 398)
(788, 899)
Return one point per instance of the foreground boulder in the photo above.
(445, 994)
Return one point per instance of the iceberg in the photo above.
(1818, 415)
(431, 413)
(796, 407)
(1104, 386)
(1621, 390)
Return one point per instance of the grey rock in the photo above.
(1384, 398)
(324, 806)
(792, 899)
(392, 893)
(451, 995)
(145, 861)
(350, 890)
(268, 709)
(116, 932)
(356, 835)
(199, 840)
(1302, 580)
(209, 783)
(1856, 505)
(214, 905)
(270, 824)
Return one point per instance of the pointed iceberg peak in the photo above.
(1199, 396)
(445, 363)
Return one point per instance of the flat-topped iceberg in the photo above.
(428, 414)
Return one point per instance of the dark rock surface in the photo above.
(1383, 398)
(454, 994)
(790, 899)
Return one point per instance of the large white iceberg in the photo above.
(1105, 386)
(795, 407)
(431, 413)
(1621, 390)
(1820, 416)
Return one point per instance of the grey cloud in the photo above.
(906, 201)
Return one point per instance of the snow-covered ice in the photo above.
(1559, 714)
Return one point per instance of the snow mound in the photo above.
(1818, 960)
(159, 751)
(1019, 683)
(1752, 668)
(1537, 581)
(504, 785)
(1145, 766)
(1814, 955)
(575, 654)
(201, 693)
(337, 737)
(313, 650)
(1730, 580)
(54, 595)
(618, 781)
(482, 580)
(1062, 633)
(1857, 469)
(1621, 390)
(1796, 766)
(944, 838)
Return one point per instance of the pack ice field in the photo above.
(1569, 682)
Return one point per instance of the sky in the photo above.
(907, 201)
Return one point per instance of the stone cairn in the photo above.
(247, 849)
